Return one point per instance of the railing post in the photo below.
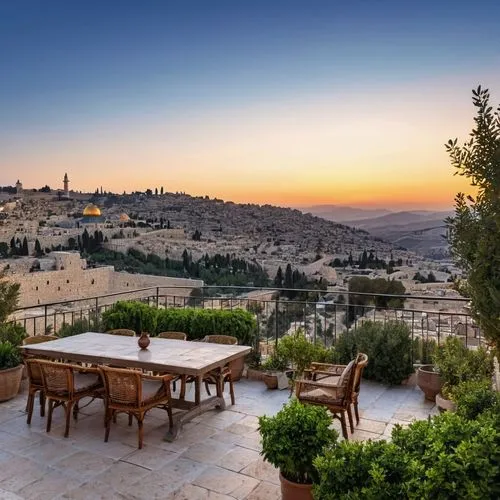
(96, 323)
(45, 318)
(157, 296)
(276, 309)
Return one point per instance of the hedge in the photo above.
(195, 322)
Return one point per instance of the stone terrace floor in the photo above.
(215, 457)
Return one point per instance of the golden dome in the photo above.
(91, 210)
(124, 218)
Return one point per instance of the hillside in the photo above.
(263, 233)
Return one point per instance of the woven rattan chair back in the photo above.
(221, 339)
(58, 378)
(38, 339)
(33, 370)
(362, 361)
(173, 335)
(123, 387)
(124, 332)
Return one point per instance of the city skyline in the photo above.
(290, 104)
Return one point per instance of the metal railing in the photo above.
(277, 311)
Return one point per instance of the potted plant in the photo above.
(274, 367)
(11, 370)
(456, 363)
(291, 440)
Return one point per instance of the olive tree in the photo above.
(474, 230)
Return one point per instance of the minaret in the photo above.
(19, 188)
(66, 186)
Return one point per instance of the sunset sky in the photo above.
(283, 102)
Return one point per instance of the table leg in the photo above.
(197, 389)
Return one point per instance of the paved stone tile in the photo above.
(265, 491)
(172, 477)
(226, 482)
(17, 473)
(208, 452)
(150, 457)
(238, 458)
(51, 485)
(48, 451)
(219, 419)
(366, 424)
(360, 435)
(8, 495)
(93, 490)
(121, 475)
(83, 464)
(191, 492)
(263, 471)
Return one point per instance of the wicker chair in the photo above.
(220, 375)
(173, 335)
(35, 382)
(124, 332)
(65, 384)
(134, 393)
(336, 396)
(323, 370)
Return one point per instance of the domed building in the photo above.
(91, 215)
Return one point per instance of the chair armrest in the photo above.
(327, 368)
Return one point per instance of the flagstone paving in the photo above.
(216, 456)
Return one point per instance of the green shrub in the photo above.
(388, 346)
(294, 437)
(300, 352)
(195, 322)
(447, 456)
(456, 363)
(474, 397)
(13, 333)
(423, 350)
(78, 327)
(365, 470)
(276, 362)
(10, 356)
(451, 457)
(132, 315)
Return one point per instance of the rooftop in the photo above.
(215, 457)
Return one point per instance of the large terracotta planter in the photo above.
(270, 379)
(429, 382)
(10, 381)
(295, 491)
(445, 404)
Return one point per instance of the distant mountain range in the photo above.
(422, 231)
(339, 213)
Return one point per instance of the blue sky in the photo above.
(98, 75)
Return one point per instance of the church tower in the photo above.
(66, 186)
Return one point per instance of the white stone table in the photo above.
(163, 355)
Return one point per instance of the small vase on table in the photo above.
(144, 340)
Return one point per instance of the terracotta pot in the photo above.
(445, 404)
(10, 381)
(144, 340)
(270, 379)
(429, 382)
(295, 491)
(237, 368)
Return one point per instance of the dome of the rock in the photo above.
(91, 210)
